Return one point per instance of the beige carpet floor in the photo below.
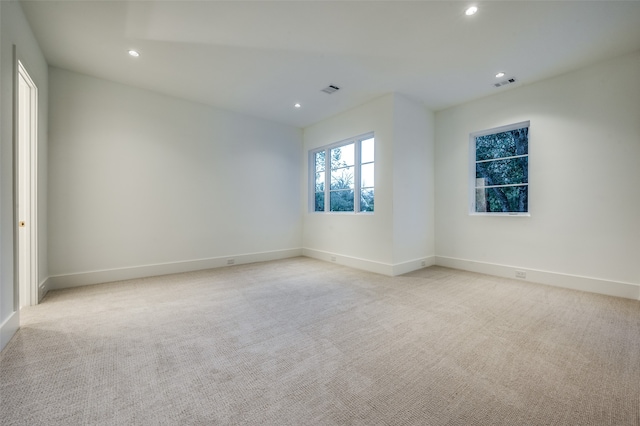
(302, 342)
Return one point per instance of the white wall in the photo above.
(143, 184)
(14, 30)
(413, 184)
(583, 231)
(399, 234)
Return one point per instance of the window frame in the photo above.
(473, 161)
(357, 177)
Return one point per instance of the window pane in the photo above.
(341, 201)
(366, 200)
(503, 172)
(503, 199)
(320, 163)
(342, 178)
(367, 150)
(338, 166)
(505, 144)
(366, 175)
(320, 181)
(342, 156)
(319, 203)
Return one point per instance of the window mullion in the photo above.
(502, 186)
(356, 176)
(502, 158)
(327, 179)
(312, 182)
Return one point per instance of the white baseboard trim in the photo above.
(369, 265)
(593, 285)
(575, 282)
(8, 328)
(57, 282)
(43, 288)
(413, 265)
(352, 262)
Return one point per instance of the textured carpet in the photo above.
(303, 342)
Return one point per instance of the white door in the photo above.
(27, 144)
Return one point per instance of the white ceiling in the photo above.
(261, 57)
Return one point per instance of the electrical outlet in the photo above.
(333, 258)
(424, 263)
(521, 274)
(231, 261)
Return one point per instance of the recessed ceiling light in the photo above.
(471, 11)
(134, 53)
(297, 105)
(500, 74)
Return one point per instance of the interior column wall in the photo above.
(413, 186)
(360, 240)
(399, 236)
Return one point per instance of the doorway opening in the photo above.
(27, 178)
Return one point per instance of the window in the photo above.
(499, 177)
(342, 176)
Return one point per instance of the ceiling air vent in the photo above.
(330, 89)
(504, 83)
